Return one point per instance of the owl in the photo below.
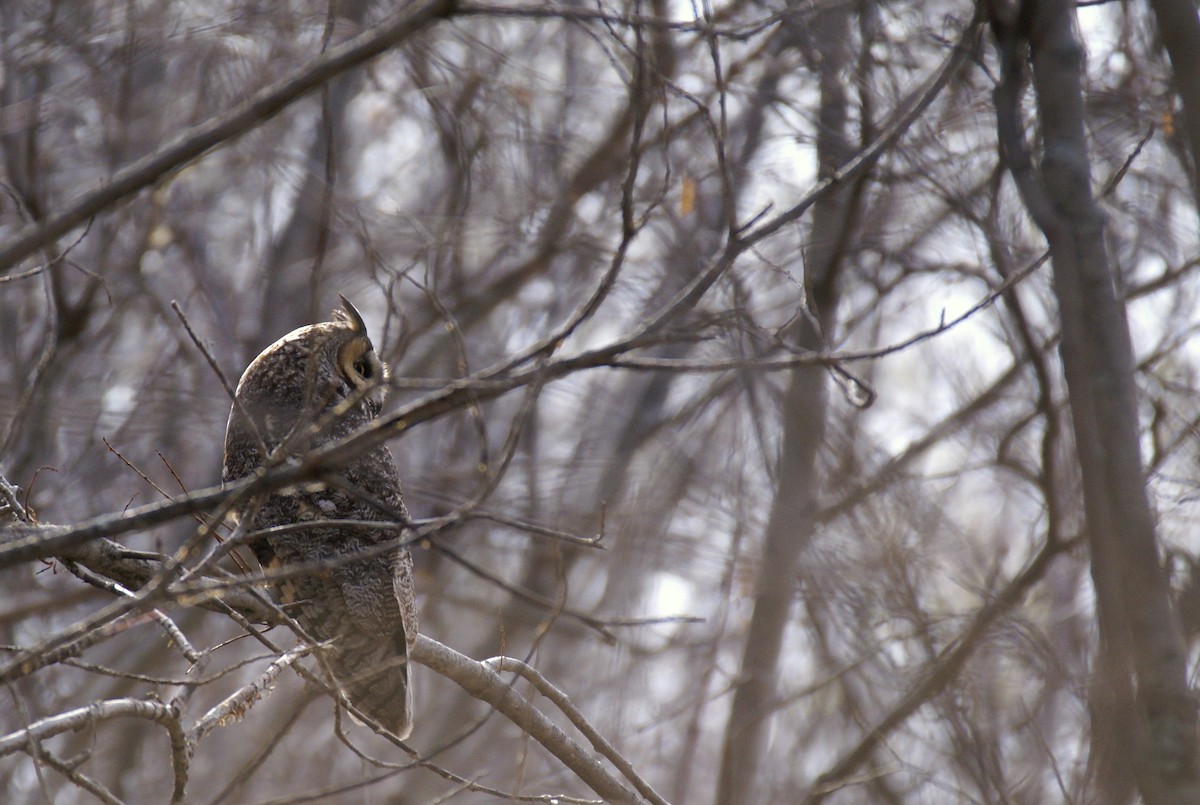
(314, 386)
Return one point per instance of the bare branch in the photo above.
(236, 705)
(563, 702)
(482, 682)
(86, 717)
(254, 111)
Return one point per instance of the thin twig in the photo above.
(253, 112)
(940, 672)
(77, 777)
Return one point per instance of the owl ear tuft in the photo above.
(350, 315)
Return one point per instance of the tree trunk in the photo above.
(793, 513)
(1142, 649)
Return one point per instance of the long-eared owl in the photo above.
(314, 386)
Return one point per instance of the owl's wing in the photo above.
(406, 596)
(381, 592)
(370, 651)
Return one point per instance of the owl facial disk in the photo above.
(359, 364)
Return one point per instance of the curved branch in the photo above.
(82, 717)
(481, 681)
(563, 703)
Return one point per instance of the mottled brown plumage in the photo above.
(314, 386)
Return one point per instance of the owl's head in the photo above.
(323, 368)
(349, 349)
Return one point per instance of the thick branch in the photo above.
(82, 717)
(485, 684)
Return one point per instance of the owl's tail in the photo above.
(374, 675)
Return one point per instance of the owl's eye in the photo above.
(364, 369)
(358, 365)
